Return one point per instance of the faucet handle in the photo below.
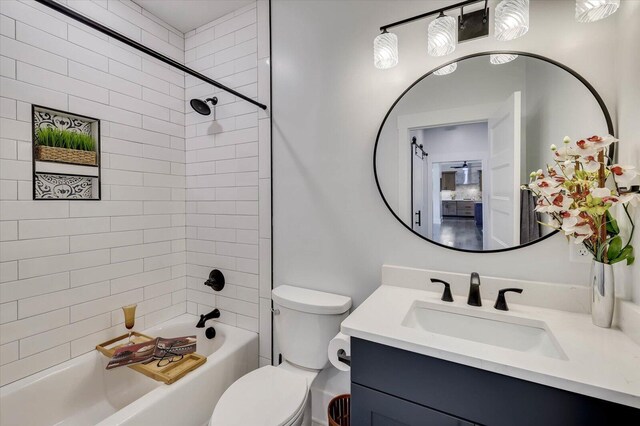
(501, 302)
(446, 294)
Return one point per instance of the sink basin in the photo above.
(514, 333)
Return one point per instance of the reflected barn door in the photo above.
(502, 227)
(419, 223)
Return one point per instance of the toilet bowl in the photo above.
(306, 321)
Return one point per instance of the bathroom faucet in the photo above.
(203, 318)
(474, 290)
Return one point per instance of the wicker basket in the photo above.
(339, 410)
(64, 155)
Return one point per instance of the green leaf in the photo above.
(615, 247)
(612, 225)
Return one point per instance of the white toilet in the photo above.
(306, 321)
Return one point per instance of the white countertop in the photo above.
(602, 363)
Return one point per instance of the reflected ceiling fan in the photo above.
(463, 166)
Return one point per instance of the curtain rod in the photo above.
(126, 40)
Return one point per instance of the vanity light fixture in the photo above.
(446, 69)
(595, 10)
(441, 39)
(385, 50)
(512, 19)
(502, 58)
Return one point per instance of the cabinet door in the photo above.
(373, 408)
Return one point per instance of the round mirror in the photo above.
(455, 148)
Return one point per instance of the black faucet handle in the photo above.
(216, 280)
(501, 301)
(446, 294)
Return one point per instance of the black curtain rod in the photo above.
(126, 40)
(433, 12)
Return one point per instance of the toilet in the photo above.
(306, 321)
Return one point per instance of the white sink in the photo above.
(524, 335)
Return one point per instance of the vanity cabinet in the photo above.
(393, 387)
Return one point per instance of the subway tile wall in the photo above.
(66, 268)
(228, 210)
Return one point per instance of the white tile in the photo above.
(157, 262)
(8, 230)
(7, 67)
(105, 17)
(52, 264)
(18, 369)
(105, 208)
(264, 142)
(58, 46)
(160, 126)
(235, 23)
(33, 325)
(40, 342)
(265, 327)
(137, 281)
(105, 304)
(8, 190)
(15, 290)
(8, 110)
(140, 251)
(106, 272)
(24, 249)
(57, 227)
(121, 177)
(263, 18)
(165, 314)
(139, 20)
(9, 353)
(238, 51)
(139, 193)
(163, 47)
(8, 312)
(7, 26)
(105, 240)
(105, 112)
(24, 13)
(246, 33)
(25, 92)
(12, 169)
(125, 223)
(8, 271)
(238, 306)
(137, 76)
(133, 104)
(159, 98)
(32, 55)
(12, 210)
(61, 299)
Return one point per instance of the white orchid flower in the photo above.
(600, 142)
(601, 192)
(590, 163)
(557, 203)
(546, 186)
(633, 199)
(623, 174)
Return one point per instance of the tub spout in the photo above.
(203, 318)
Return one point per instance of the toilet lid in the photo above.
(267, 396)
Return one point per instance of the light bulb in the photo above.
(594, 10)
(502, 58)
(385, 51)
(441, 36)
(448, 69)
(512, 19)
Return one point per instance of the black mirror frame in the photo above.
(591, 89)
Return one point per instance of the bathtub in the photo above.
(81, 392)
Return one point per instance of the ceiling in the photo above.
(185, 15)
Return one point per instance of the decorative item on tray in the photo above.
(164, 351)
(578, 195)
(129, 317)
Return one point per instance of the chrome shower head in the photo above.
(201, 106)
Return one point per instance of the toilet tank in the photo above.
(306, 321)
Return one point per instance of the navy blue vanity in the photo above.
(393, 387)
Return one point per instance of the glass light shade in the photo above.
(446, 69)
(385, 51)
(512, 19)
(594, 10)
(502, 58)
(442, 36)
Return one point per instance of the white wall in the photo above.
(228, 169)
(332, 231)
(68, 266)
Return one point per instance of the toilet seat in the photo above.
(268, 396)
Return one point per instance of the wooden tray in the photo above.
(167, 374)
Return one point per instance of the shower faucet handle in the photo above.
(446, 294)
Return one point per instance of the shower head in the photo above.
(201, 106)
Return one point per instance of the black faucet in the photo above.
(474, 290)
(501, 302)
(446, 294)
(203, 318)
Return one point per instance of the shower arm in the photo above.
(126, 40)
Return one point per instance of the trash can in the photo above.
(339, 411)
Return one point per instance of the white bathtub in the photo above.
(81, 392)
